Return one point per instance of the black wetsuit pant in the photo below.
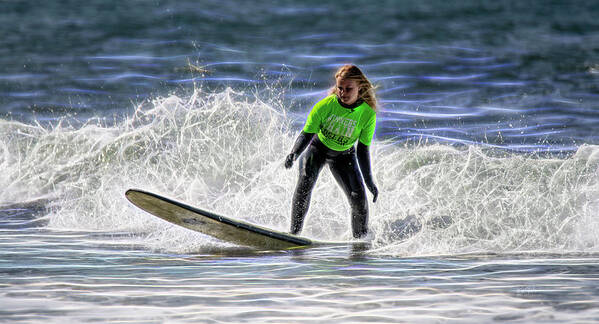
(345, 169)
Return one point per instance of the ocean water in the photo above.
(486, 156)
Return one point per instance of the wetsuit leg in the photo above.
(310, 165)
(345, 170)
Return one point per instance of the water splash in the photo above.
(224, 151)
(468, 201)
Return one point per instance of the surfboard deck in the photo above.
(221, 227)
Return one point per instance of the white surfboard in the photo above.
(218, 226)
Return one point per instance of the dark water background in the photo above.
(517, 74)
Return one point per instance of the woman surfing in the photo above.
(346, 116)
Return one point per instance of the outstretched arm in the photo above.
(300, 145)
(363, 154)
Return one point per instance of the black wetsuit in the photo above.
(345, 167)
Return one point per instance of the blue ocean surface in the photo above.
(486, 155)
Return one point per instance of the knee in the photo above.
(357, 199)
(305, 183)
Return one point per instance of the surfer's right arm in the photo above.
(300, 145)
(310, 129)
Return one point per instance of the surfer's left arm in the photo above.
(363, 154)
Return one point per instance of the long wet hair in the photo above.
(366, 89)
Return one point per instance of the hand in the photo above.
(289, 160)
(374, 190)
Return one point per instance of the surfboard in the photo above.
(218, 226)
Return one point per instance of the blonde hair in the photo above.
(353, 73)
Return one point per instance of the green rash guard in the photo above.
(338, 127)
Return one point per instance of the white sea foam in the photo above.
(224, 151)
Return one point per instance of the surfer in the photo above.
(346, 116)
